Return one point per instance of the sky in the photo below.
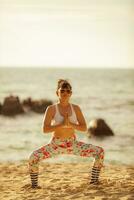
(67, 33)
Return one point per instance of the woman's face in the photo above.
(64, 93)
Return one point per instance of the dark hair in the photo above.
(63, 83)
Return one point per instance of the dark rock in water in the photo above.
(27, 102)
(0, 107)
(11, 106)
(99, 128)
(38, 106)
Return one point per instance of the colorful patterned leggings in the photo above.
(67, 146)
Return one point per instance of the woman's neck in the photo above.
(64, 103)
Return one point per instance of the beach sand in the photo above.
(66, 181)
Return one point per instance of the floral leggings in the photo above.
(65, 146)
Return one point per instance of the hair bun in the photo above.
(63, 82)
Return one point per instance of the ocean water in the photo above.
(103, 93)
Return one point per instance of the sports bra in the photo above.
(58, 118)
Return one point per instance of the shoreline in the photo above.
(66, 181)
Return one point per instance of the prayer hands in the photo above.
(66, 122)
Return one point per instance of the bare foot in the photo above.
(95, 182)
(36, 187)
(29, 186)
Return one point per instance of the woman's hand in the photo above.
(66, 122)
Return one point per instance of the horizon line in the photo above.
(65, 67)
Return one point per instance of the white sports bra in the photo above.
(58, 118)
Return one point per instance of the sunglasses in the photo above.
(63, 91)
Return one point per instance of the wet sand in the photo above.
(66, 181)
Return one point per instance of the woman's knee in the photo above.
(33, 158)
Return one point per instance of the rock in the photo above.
(99, 128)
(38, 106)
(27, 104)
(11, 106)
(0, 107)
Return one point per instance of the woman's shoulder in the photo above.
(76, 106)
(77, 109)
(52, 108)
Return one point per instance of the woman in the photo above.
(63, 119)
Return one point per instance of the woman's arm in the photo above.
(81, 126)
(47, 127)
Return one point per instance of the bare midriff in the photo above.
(64, 133)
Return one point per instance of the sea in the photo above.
(100, 93)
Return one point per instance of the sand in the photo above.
(66, 181)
